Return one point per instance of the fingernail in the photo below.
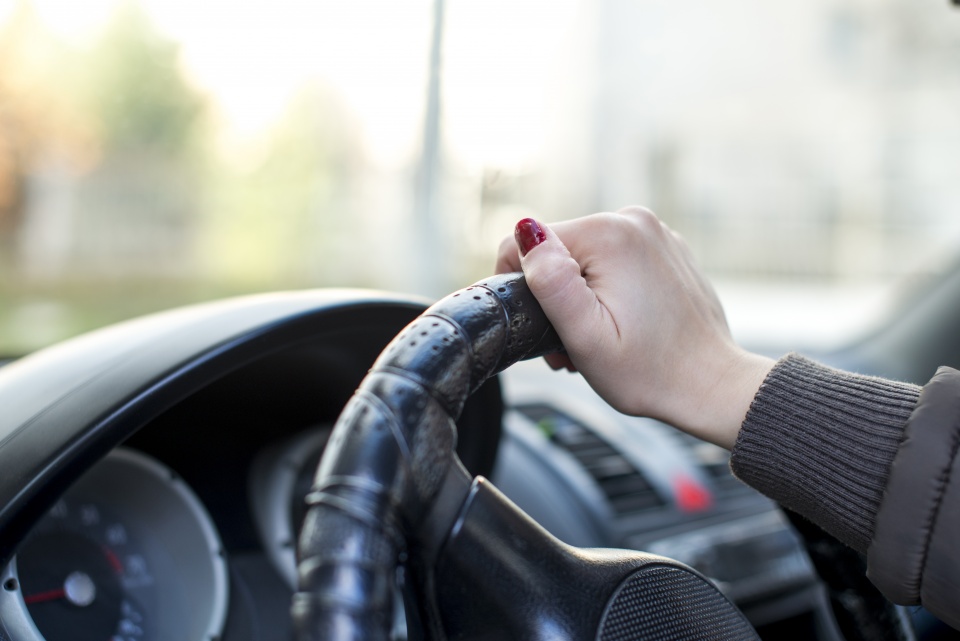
(529, 234)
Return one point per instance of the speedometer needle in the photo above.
(78, 589)
(41, 597)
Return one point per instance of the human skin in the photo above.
(638, 319)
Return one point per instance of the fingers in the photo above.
(552, 274)
(578, 269)
(560, 361)
(528, 235)
(508, 258)
(555, 278)
(570, 232)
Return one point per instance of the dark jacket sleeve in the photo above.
(914, 557)
(874, 462)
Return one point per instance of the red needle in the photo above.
(113, 560)
(49, 595)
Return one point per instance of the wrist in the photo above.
(717, 415)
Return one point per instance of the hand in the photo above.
(638, 319)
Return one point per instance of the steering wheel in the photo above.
(391, 502)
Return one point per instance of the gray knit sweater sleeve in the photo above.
(821, 442)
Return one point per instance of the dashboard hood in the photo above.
(66, 406)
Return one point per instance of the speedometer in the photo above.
(83, 578)
(127, 554)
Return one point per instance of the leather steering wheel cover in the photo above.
(391, 449)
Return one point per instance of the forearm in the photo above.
(821, 442)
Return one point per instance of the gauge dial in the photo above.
(279, 482)
(127, 554)
(77, 589)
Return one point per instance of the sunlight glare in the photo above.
(254, 56)
(500, 59)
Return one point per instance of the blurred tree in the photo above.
(137, 91)
(138, 210)
(277, 219)
(102, 149)
(37, 118)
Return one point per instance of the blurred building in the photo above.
(812, 140)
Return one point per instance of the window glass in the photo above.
(162, 152)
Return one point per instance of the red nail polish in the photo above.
(529, 234)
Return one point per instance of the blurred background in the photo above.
(159, 152)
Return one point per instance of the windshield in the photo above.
(162, 152)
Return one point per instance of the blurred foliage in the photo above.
(38, 115)
(120, 193)
(66, 105)
(272, 215)
(137, 91)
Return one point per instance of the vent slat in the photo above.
(625, 485)
(636, 503)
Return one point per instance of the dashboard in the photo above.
(157, 474)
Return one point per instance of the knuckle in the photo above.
(611, 227)
(642, 214)
(644, 221)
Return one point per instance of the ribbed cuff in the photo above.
(820, 442)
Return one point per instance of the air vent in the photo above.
(715, 461)
(627, 490)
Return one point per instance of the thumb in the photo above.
(555, 279)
